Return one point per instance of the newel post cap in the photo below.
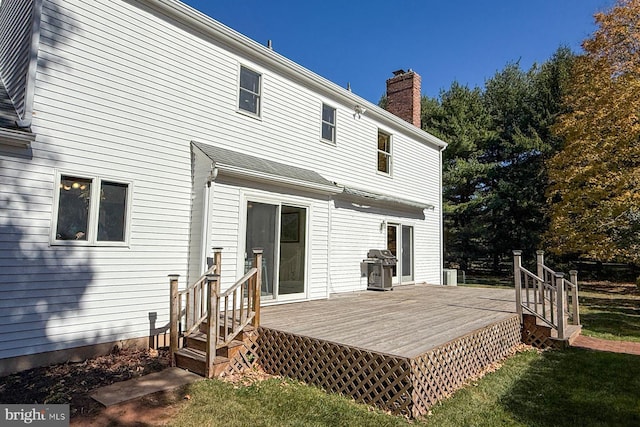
(173, 276)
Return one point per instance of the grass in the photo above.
(553, 388)
(572, 387)
(274, 402)
(610, 311)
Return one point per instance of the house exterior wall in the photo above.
(120, 93)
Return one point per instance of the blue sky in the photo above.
(362, 42)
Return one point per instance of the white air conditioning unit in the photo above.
(450, 277)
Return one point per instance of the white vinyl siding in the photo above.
(121, 92)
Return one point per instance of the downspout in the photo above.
(206, 213)
(442, 248)
(329, 251)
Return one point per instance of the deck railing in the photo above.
(547, 294)
(226, 313)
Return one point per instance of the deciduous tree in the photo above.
(594, 182)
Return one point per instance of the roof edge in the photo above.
(236, 171)
(385, 198)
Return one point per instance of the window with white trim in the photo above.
(384, 152)
(250, 88)
(328, 123)
(91, 210)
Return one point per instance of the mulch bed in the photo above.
(73, 382)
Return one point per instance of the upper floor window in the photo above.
(91, 210)
(249, 96)
(328, 123)
(384, 152)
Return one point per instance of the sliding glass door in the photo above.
(262, 226)
(281, 231)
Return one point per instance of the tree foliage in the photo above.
(594, 182)
(494, 167)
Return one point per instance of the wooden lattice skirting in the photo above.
(402, 385)
(538, 336)
(244, 357)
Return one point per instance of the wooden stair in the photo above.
(192, 356)
(537, 333)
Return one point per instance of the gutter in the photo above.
(212, 29)
(16, 138)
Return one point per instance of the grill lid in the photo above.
(382, 255)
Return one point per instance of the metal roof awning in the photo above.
(384, 198)
(233, 163)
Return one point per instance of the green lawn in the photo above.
(574, 387)
(610, 311)
(555, 388)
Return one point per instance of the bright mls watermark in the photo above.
(35, 415)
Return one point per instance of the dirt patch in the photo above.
(72, 382)
(153, 410)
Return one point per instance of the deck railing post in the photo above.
(560, 303)
(257, 263)
(217, 259)
(541, 273)
(517, 265)
(213, 329)
(573, 274)
(173, 315)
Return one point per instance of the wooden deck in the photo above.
(401, 350)
(406, 322)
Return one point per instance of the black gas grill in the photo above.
(379, 269)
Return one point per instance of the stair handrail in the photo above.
(536, 296)
(224, 323)
(188, 307)
(547, 295)
(572, 306)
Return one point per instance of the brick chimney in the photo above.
(403, 96)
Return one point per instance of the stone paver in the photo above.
(137, 387)
(607, 345)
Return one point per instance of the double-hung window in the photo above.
(328, 123)
(250, 87)
(91, 210)
(384, 152)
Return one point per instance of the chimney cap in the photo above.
(398, 72)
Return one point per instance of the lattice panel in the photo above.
(445, 369)
(536, 335)
(246, 356)
(368, 377)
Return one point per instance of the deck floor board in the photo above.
(407, 321)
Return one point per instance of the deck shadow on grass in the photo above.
(578, 387)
